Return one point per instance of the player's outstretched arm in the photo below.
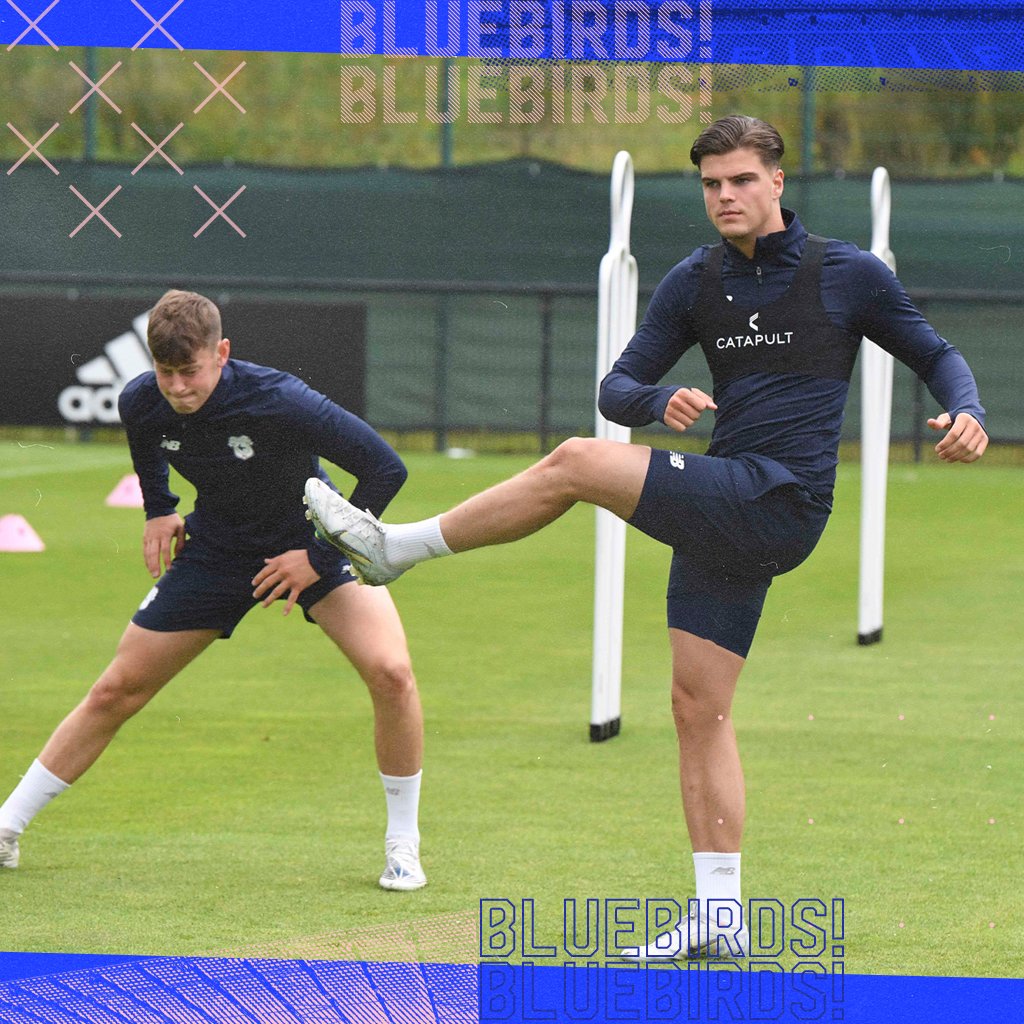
(965, 439)
(685, 406)
(288, 573)
(163, 539)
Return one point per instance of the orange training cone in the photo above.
(17, 535)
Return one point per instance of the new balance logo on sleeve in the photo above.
(676, 460)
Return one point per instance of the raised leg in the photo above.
(606, 473)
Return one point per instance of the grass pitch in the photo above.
(241, 810)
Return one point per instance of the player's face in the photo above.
(187, 387)
(741, 197)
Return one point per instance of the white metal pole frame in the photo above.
(876, 416)
(616, 324)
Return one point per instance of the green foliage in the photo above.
(241, 809)
(919, 123)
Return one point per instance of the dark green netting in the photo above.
(514, 223)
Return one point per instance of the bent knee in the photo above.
(115, 695)
(563, 468)
(571, 453)
(390, 680)
(694, 706)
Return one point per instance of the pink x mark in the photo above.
(219, 211)
(95, 211)
(219, 87)
(33, 149)
(33, 25)
(156, 24)
(95, 86)
(158, 148)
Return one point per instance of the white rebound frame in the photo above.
(616, 324)
(876, 419)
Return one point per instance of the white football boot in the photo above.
(693, 938)
(402, 870)
(8, 848)
(357, 534)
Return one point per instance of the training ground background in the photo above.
(241, 811)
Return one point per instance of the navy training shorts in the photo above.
(206, 588)
(729, 537)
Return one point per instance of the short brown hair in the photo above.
(737, 131)
(181, 324)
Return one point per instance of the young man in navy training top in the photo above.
(779, 315)
(247, 437)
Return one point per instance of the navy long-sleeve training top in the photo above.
(249, 450)
(793, 419)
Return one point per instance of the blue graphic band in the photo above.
(173, 989)
(937, 34)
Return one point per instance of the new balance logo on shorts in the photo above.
(676, 460)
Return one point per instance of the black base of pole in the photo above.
(604, 730)
(865, 639)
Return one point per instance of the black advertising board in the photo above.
(67, 358)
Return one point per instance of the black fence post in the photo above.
(545, 370)
(917, 403)
(89, 118)
(918, 406)
(441, 366)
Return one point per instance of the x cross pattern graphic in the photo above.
(156, 24)
(219, 87)
(218, 211)
(95, 86)
(158, 147)
(95, 211)
(32, 148)
(33, 24)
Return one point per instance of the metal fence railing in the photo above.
(446, 356)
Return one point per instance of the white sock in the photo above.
(402, 793)
(718, 877)
(406, 544)
(37, 788)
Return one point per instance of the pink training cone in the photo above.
(17, 535)
(127, 494)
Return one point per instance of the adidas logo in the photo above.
(94, 398)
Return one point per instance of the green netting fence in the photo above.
(479, 282)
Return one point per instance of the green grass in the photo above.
(241, 810)
(926, 123)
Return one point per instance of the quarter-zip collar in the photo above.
(780, 246)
